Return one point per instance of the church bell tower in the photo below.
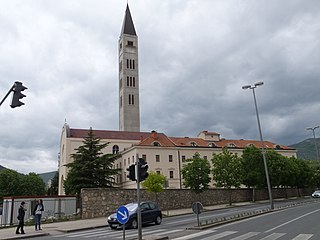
(129, 113)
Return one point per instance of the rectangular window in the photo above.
(157, 158)
(205, 157)
(134, 81)
(128, 161)
(170, 174)
(127, 63)
(132, 100)
(129, 99)
(125, 162)
(130, 43)
(133, 64)
(120, 66)
(127, 81)
(170, 158)
(144, 156)
(158, 172)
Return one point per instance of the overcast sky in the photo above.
(194, 58)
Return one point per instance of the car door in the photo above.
(146, 213)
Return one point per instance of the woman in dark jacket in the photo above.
(37, 213)
(21, 213)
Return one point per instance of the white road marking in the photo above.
(198, 234)
(273, 236)
(246, 236)
(281, 225)
(303, 237)
(219, 235)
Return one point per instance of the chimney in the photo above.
(154, 134)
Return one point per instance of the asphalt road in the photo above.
(296, 223)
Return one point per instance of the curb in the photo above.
(28, 236)
(81, 229)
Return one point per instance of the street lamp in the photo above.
(261, 139)
(314, 136)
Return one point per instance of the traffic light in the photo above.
(17, 95)
(132, 172)
(143, 169)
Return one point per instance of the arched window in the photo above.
(231, 145)
(115, 149)
(251, 145)
(156, 144)
(212, 145)
(193, 144)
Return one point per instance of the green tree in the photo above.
(278, 168)
(154, 183)
(227, 170)
(253, 168)
(90, 168)
(33, 185)
(10, 183)
(196, 174)
(315, 176)
(53, 189)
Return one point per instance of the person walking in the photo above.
(37, 213)
(21, 213)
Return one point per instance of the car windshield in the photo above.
(132, 206)
(317, 192)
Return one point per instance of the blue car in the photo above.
(150, 213)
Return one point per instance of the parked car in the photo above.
(150, 213)
(316, 194)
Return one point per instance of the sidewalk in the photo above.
(78, 225)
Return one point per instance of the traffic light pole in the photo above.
(11, 89)
(138, 198)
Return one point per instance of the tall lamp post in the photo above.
(261, 139)
(314, 137)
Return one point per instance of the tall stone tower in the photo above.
(129, 113)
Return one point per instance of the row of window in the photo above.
(131, 64)
(131, 82)
(129, 43)
(157, 157)
(120, 177)
(130, 98)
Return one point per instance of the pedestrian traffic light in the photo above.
(143, 169)
(132, 172)
(17, 95)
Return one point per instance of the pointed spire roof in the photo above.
(127, 26)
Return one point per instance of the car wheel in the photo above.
(113, 227)
(158, 220)
(134, 223)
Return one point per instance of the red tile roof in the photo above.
(148, 139)
(106, 134)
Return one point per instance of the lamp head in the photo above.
(246, 86)
(258, 84)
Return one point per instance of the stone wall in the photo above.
(98, 202)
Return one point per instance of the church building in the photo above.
(164, 154)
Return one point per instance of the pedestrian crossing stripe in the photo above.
(203, 235)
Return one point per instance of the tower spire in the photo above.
(129, 113)
(127, 26)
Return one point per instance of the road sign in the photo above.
(122, 214)
(197, 207)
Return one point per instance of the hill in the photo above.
(306, 149)
(46, 177)
(2, 167)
